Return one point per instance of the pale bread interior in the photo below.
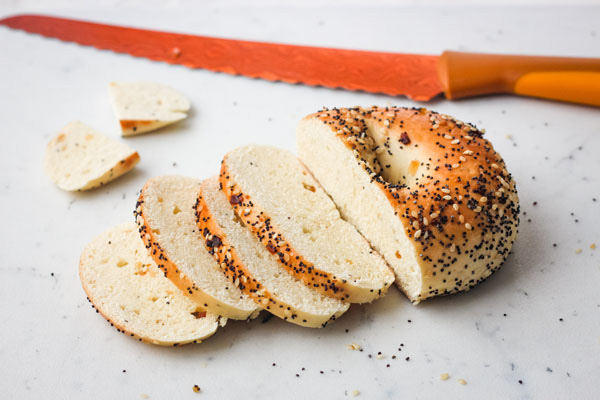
(279, 184)
(168, 209)
(150, 104)
(79, 158)
(261, 264)
(360, 201)
(127, 287)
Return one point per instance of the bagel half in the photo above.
(428, 191)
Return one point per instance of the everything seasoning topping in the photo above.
(459, 207)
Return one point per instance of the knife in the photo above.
(419, 77)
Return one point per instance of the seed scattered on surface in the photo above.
(353, 346)
(355, 393)
(462, 381)
(444, 376)
(196, 388)
(578, 251)
(593, 246)
(447, 197)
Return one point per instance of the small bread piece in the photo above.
(428, 191)
(125, 286)
(252, 268)
(288, 211)
(146, 106)
(79, 158)
(167, 225)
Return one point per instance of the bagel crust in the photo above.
(447, 209)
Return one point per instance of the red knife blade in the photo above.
(411, 75)
(419, 77)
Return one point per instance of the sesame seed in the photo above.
(462, 381)
(418, 234)
(445, 190)
(482, 199)
(468, 152)
(455, 165)
(468, 226)
(455, 206)
(461, 218)
(455, 141)
(452, 248)
(444, 376)
(468, 137)
(448, 137)
(447, 197)
(355, 393)
(353, 346)
(578, 251)
(386, 122)
(462, 158)
(433, 215)
(593, 246)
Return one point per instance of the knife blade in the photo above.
(419, 77)
(395, 74)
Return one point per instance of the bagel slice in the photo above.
(285, 208)
(427, 191)
(252, 268)
(80, 158)
(167, 226)
(126, 287)
(146, 106)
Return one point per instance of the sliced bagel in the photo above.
(167, 225)
(146, 106)
(125, 286)
(79, 158)
(287, 210)
(252, 268)
(428, 191)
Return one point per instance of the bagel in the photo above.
(426, 190)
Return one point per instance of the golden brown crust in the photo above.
(459, 199)
(260, 224)
(218, 246)
(131, 126)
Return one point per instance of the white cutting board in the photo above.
(507, 330)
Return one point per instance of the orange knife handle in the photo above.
(575, 80)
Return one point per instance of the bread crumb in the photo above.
(462, 381)
(593, 246)
(196, 388)
(353, 346)
(444, 376)
(355, 393)
(144, 396)
(578, 251)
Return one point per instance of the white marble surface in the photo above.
(536, 321)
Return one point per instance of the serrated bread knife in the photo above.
(419, 77)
